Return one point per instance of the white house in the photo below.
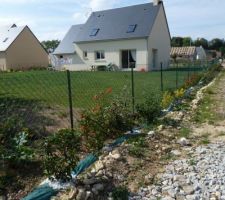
(135, 36)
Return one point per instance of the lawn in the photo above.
(51, 87)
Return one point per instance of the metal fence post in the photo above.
(70, 98)
(132, 87)
(177, 76)
(161, 76)
(188, 71)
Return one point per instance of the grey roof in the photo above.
(113, 24)
(66, 46)
(8, 34)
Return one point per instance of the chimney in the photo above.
(156, 2)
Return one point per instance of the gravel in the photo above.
(202, 176)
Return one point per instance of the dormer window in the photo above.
(5, 40)
(131, 28)
(94, 32)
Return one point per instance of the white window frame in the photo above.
(101, 53)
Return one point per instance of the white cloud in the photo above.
(80, 17)
(102, 4)
(20, 21)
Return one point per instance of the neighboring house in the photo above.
(201, 53)
(135, 36)
(188, 53)
(20, 49)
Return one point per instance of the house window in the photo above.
(129, 58)
(5, 40)
(94, 32)
(99, 55)
(131, 28)
(85, 54)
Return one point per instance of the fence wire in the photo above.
(40, 99)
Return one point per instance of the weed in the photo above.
(168, 156)
(210, 91)
(185, 132)
(192, 162)
(205, 139)
(137, 146)
(221, 134)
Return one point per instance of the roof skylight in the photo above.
(131, 28)
(5, 40)
(94, 32)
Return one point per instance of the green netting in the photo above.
(43, 192)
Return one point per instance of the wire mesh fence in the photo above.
(45, 101)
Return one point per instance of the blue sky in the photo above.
(50, 19)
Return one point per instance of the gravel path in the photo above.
(202, 176)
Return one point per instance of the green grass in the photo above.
(51, 87)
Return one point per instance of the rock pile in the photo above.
(200, 177)
(95, 183)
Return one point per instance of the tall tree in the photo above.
(201, 42)
(187, 41)
(177, 42)
(216, 44)
(50, 45)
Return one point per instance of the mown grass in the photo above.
(52, 88)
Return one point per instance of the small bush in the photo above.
(14, 144)
(179, 93)
(150, 109)
(120, 193)
(193, 80)
(167, 99)
(61, 154)
(108, 119)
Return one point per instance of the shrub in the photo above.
(211, 74)
(101, 68)
(150, 108)
(179, 93)
(120, 193)
(108, 119)
(167, 99)
(14, 144)
(61, 154)
(193, 80)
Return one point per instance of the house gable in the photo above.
(26, 51)
(159, 41)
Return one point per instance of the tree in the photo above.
(201, 42)
(222, 50)
(187, 41)
(177, 42)
(50, 45)
(216, 44)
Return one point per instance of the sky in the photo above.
(51, 19)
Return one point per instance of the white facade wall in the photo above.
(2, 61)
(112, 51)
(160, 40)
